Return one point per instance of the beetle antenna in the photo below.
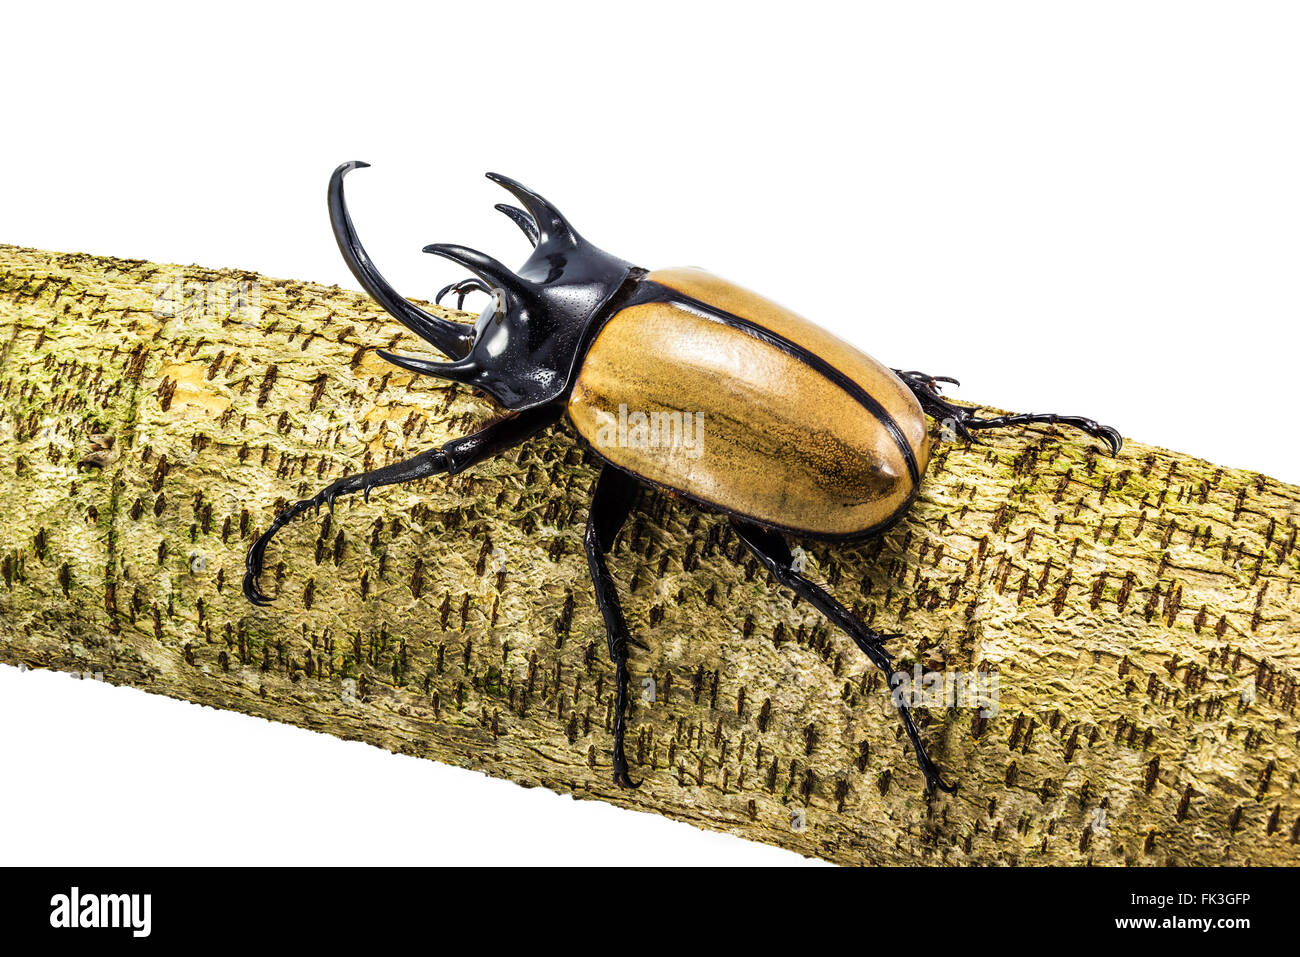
(552, 227)
(453, 339)
(520, 219)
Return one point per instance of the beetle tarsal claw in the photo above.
(623, 780)
(936, 782)
(253, 593)
(462, 288)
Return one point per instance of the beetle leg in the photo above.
(771, 549)
(462, 289)
(963, 420)
(453, 457)
(1109, 435)
(610, 505)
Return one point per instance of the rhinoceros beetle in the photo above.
(802, 435)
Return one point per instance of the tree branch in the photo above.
(1139, 615)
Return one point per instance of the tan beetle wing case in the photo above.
(743, 416)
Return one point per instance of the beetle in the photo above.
(807, 437)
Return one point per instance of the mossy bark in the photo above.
(1139, 614)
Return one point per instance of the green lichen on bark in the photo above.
(1139, 613)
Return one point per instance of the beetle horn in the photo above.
(552, 227)
(480, 264)
(451, 338)
(520, 219)
(462, 370)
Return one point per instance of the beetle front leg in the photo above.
(432, 462)
(453, 457)
(964, 421)
(610, 505)
(461, 289)
(770, 549)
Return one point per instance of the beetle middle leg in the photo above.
(610, 506)
(964, 421)
(453, 457)
(772, 550)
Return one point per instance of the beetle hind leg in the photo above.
(770, 549)
(963, 420)
(610, 506)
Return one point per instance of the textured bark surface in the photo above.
(1139, 614)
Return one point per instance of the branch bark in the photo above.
(1139, 615)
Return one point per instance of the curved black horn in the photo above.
(551, 224)
(461, 371)
(491, 271)
(451, 338)
(520, 219)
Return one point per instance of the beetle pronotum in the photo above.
(806, 436)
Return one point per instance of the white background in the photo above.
(1088, 207)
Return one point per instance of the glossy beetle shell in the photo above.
(793, 428)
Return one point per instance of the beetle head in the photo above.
(523, 347)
